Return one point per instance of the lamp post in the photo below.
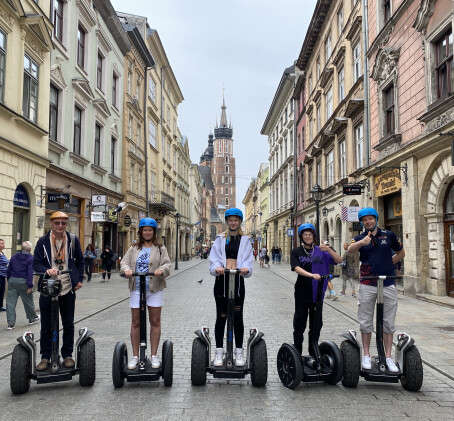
(177, 220)
(265, 230)
(317, 196)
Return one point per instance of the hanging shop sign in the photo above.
(127, 221)
(98, 199)
(113, 216)
(57, 197)
(97, 217)
(351, 189)
(388, 182)
(21, 197)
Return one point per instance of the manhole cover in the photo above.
(447, 328)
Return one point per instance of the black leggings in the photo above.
(221, 312)
(302, 311)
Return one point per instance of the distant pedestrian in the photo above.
(3, 265)
(350, 262)
(89, 257)
(255, 254)
(107, 257)
(20, 284)
(279, 255)
(273, 254)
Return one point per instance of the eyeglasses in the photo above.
(62, 223)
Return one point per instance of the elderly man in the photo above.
(58, 251)
(20, 284)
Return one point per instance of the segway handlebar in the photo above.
(232, 271)
(365, 278)
(138, 274)
(59, 272)
(328, 276)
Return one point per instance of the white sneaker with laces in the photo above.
(155, 363)
(367, 365)
(219, 357)
(239, 357)
(133, 363)
(392, 367)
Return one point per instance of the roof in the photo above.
(214, 216)
(136, 38)
(205, 173)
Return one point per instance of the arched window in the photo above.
(226, 190)
(226, 158)
(226, 169)
(227, 201)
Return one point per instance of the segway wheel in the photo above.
(351, 357)
(119, 362)
(167, 363)
(412, 376)
(331, 355)
(289, 366)
(87, 363)
(259, 364)
(20, 370)
(199, 362)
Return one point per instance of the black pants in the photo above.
(2, 289)
(220, 295)
(302, 310)
(67, 305)
(89, 267)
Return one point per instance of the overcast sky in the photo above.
(241, 45)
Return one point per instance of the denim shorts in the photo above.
(154, 299)
(367, 296)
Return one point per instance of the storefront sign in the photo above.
(57, 197)
(98, 199)
(97, 217)
(388, 182)
(113, 216)
(352, 189)
(127, 221)
(21, 197)
(352, 213)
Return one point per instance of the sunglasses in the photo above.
(62, 223)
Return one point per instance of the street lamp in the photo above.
(265, 230)
(177, 220)
(317, 193)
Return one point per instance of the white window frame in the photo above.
(342, 159)
(152, 133)
(341, 83)
(330, 168)
(329, 102)
(359, 145)
(357, 69)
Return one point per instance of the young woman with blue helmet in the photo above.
(231, 250)
(309, 262)
(146, 256)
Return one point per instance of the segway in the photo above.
(144, 372)
(326, 365)
(407, 356)
(23, 361)
(256, 362)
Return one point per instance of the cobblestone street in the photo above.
(189, 305)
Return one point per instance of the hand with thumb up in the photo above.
(367, 240)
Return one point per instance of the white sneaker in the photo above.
(367, 365)
(239, 357)
(391, 366)
(133, 363)
(155, 363)
(219, 357)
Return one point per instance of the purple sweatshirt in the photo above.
(21, 266)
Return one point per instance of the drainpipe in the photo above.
(365, 31)
(145, 123)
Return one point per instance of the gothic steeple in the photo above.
(223, 131)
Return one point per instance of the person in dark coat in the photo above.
(89, 257)
(107, 263)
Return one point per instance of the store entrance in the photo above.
(393, 220)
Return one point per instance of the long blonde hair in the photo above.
(229, 237)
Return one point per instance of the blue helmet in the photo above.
(368, 212)
(305, 227)
(233, 212)
(148, 222)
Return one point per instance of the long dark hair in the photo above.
(91, 248)
(141, 241)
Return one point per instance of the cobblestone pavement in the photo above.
(188, 306)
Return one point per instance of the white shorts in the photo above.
(154, 299)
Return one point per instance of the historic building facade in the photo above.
(25, 51)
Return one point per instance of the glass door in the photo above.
(449, 251)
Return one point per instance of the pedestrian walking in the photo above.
(279, 255)
(273, 254)
(59, 251)
(107, 257)
(89, 257)
(146, 256)
(231, 250)
(376, 246)
(20, 284)
(3, 265)
(349, 266)
(310, 262)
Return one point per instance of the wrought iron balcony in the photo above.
(161, 202)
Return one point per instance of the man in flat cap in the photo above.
(58, 251)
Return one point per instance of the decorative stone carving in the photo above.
(80, 99)
(6, 18)
(385, 65)
(440, 121)
(424, 14)
(100, 118)
(30, 43)
(389, 150)
(385, 39)
(114, 128)
(57, 74)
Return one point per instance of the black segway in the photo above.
(23, 361)
(256, 356)
(144, 372)
(407, 356)
(326, 365)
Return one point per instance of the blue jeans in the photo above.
(67, 304)
(278, 257)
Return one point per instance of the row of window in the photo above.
(282, 153)
(288, 113)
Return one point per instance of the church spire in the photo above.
(223, 113)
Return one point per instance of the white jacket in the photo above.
(244, 259)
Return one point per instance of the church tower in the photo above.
(223, 170)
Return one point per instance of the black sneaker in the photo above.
(32, 321)
(11, 327)
(2, 309)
